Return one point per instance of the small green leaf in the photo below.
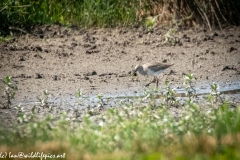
(99, 96)
(46, 92)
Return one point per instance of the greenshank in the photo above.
(151, 69)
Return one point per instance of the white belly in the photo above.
(152, 73)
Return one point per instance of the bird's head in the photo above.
(135, 70)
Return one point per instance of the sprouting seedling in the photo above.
(169, 94)
(79, 94)
(99, 96)
(150, 93)
(189, 78)
(167, 83)
(46, 92)
(150, 23)
(21, 116)
(44, 101)
(19, 108)
(79, 100)
(215, 93)
(169, 36)
(146, 94)
(9, 90)
(214, 88)
(41, 101)
(100, 103)
(189, 86)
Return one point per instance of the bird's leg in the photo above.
(157, 82)
(148, 84)
(154, 79)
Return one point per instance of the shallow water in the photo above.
(201, 89)
(229, 88)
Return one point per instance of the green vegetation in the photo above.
(9, 91)
(5, 38)
(142, 129)
(84, 13)
(150, 23)
(17, 15)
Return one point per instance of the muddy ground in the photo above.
(64, 60)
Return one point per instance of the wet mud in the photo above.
(99, 61)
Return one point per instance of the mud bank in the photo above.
(64, 60)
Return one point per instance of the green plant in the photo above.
(100, 102)
(84, 13)
(10, 89)
(44, 102)
(18, 15)
(170, 36)
(169, 95)
(5, 38)
(189, 86)
(20, 113)
(214, 95)
(150, 22)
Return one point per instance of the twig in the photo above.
(226, 10)
(212, 14)
(204, 14)
(220, 11)
(14, 7)
(18, 29)
(21, 30)
(21, 6)
(219, 23)
(3, 8)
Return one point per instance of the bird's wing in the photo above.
(158, 66)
